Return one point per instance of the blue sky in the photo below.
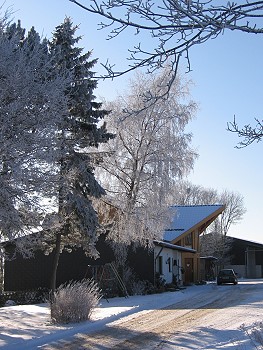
(227, 80)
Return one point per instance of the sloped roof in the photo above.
(185, 218)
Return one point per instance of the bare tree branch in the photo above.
(173, 25)
(248, 133)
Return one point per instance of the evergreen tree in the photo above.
(30, 102)
(79, 135)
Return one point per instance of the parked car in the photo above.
(227, 276)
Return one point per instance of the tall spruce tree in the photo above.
(79, 134)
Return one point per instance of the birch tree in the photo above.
(150, 152)
(31, 104)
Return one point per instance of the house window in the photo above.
(189, 239)
(160, 265)
(169, 264)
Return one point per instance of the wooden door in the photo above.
(189, 270)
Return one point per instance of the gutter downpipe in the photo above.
(155, 259)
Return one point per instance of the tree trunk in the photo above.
(53, 280)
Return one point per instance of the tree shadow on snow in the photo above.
(208, 338)
(111, 338)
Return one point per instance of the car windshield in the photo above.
(226, 272)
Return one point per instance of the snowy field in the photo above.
(29, 327)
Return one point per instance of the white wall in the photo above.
(171, 263)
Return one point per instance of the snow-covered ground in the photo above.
(29, 327)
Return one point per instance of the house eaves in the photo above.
(211, 258)
(174, 246)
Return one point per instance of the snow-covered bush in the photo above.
(133, 285)
(75, 301)
(138, 288)
(10, 302)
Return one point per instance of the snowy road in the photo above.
(207, 320)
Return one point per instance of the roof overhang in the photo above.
(210, 258)
(174, 246)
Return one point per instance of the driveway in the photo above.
(207, 320)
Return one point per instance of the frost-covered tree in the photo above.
(31, 104)
(80, 132)
(150, 152)
(216, 245)
(233, 212)
(186, 193)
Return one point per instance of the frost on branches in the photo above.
(150, 152)
(80, 133)
(162, 32)
(166, 31)
(31, 104)
(51, 130)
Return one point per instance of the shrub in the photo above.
(75, 301)
(159, 283)
(138, 288)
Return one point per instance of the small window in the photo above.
(189, 240)
(160, 263)
(169, 262)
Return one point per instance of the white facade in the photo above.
(168, 263)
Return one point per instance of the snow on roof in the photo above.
(208, 257)
(185, 217)
(174, 246)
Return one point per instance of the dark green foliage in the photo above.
(84, 112)
(80, 134)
